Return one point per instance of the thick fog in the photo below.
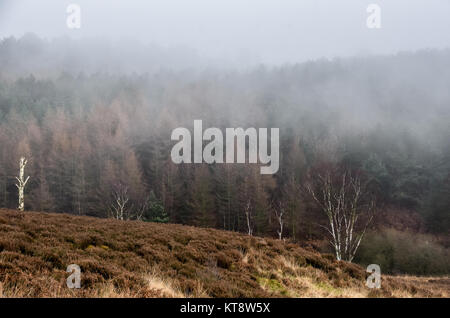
(241, 32)
(93, 110)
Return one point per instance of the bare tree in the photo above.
(279, 212)
(119, 208)
(22, 183)
(342, 200)
(142, 208)
(248, 216)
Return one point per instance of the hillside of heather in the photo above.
(140, 259)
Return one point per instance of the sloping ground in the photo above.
(137, 259)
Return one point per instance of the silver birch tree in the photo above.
(342, 203)
(248, 217)
(279, 212)
(22, 183)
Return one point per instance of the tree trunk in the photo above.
(22, 183)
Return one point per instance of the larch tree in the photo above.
(293, 206)
(201, 201)
(226, 195)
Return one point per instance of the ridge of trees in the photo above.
(88, 138)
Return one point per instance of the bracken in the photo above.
(137, 259)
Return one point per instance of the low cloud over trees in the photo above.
(99, 144)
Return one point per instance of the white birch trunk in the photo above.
(121, 199)
(247, 214)
(22, 183)
(279, 215)
(342, 205)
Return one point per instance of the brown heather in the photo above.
(137, 259)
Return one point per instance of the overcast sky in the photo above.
(257, 31)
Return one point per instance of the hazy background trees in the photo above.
(89, 129)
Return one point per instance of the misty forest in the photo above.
(94, 121)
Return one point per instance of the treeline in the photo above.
(93, 140)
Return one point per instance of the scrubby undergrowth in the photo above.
(137, 259)
(399, 252)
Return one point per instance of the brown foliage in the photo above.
(137, 259)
